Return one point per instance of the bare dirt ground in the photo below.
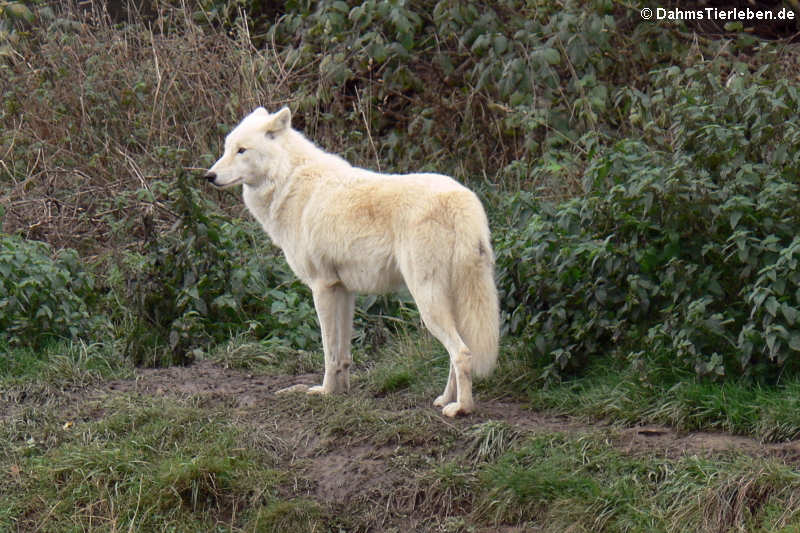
(357, 470)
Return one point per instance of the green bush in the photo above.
(479, 86)
(43, 296)
(206, 280)
(685, 245)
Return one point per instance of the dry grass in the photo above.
(96, 114)
(98, 118)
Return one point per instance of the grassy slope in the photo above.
(90, 452)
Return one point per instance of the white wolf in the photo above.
(346, 230)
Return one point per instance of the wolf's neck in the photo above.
(259, 199)
(303, 151)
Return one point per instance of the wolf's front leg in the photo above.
(335, 306)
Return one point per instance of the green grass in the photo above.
(491, 439)
(150, 464)
(268, 357)
(409, 363)
(73, 360)
(610, 392)
(411, 370)
(558, 482)
(45, 377)
(296, 515)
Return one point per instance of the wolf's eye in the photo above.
(241, 150)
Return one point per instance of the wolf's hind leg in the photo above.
(438, 317)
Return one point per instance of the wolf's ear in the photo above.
(281, 121)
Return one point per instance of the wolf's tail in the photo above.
(476, 307)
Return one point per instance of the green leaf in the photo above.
(771, 339)
(790, 313)
(500, 44)
(19, 11)
(772, 306)
(551, 55)
(735, 217)
(378, 52)
(480, 44)
(794, 342)
(340, 6)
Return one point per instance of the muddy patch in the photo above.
(209, 380)
(522, 418)
(340, 473)
(346, 474)
(662, 440)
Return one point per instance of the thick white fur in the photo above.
(346, 230)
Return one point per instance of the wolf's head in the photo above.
(254, 150)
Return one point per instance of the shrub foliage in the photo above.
(641, 193)
(42, 296)
(207, 280)
(685, 244)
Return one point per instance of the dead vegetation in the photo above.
(97, 114)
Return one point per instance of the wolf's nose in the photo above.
(210, 176)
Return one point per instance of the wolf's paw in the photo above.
(441, 401)
(454, 409)
(318, 389)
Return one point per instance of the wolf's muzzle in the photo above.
(211, 177)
